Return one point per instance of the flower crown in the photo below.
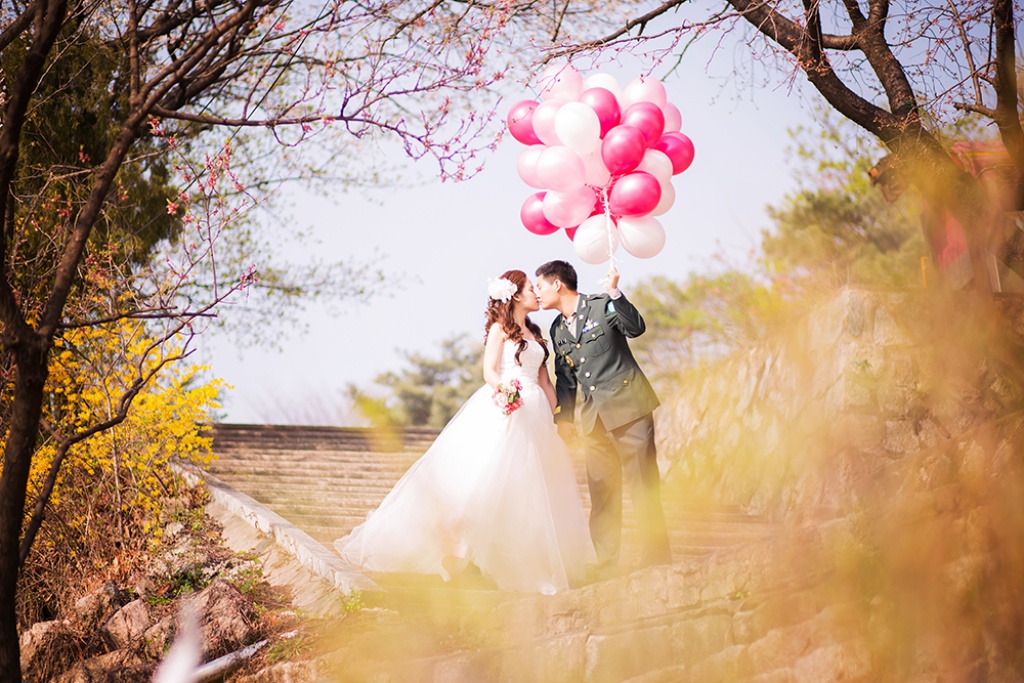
(501, 289)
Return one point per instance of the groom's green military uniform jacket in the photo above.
(596, 359)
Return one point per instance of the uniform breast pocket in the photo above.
(595, 341)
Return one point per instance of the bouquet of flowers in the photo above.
(507, 398)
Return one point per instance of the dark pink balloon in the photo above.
(532, 215)
(634, 194)
(604, 104)
(520, 122)
(622, 149)
(571, 232)
(678, 148)
(646, 116)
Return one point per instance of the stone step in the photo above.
(684, 514)
(684, 542)
(361, 471)
(318, 493)
(224, 430)
(330, 495)
(297, 457)
(334, 529)
(227, 437)
(355, 498)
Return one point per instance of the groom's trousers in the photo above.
(628, 450)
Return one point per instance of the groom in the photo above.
(591, 353)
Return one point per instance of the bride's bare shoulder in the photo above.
(496, 332)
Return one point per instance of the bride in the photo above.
(496, 488)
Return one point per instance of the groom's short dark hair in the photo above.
(559, 270)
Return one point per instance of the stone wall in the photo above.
(790, 426)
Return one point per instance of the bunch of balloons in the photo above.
(603, 156)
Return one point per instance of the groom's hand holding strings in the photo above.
(611, 280)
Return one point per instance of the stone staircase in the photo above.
(645, 623)
(325, 480)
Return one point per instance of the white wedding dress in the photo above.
(496, 490)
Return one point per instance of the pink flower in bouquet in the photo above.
(507, 397)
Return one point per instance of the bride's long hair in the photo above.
(501, 312)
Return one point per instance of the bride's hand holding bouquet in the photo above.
(507, 396)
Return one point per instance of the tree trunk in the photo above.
(31, 357)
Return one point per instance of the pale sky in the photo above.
(449, 238)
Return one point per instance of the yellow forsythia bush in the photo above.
(112, 486)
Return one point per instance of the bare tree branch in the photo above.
(792, 37)
(19, 25)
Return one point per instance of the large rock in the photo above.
(158, 638)
(228, 621)
(127, 625)
(114, 667)
(96, 607)
(42, 645)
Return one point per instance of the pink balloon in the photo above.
(560, 82)
(526, 165)
(644, 89)
(532, 216)
(569, 209)
(596, 239)
(604, 104)
(622, 149)
(673, 119)
(571, 232)
(678, 148)
(642, 237)
(560, 169)
(634, 194)
(520, 122)
(646, 116)
(544, 122)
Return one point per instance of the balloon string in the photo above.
(609, 224)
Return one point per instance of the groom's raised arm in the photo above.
(624, 317)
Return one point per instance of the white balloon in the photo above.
(560, 169)
(668, 198)
(657, 164)
(560, 82)
(597, 174)
(578, 127)
(642, 237)
(606, 81)
(596, 239)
